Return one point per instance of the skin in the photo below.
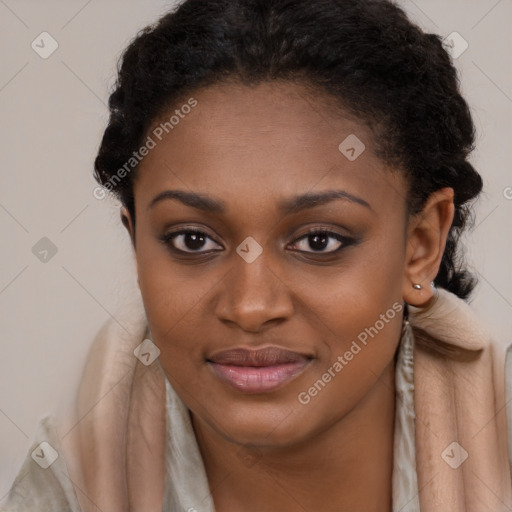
(251, 147)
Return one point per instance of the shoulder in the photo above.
(42, 483)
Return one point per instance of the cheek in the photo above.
(360, 335)
(346, 299)
(173, 295)
(358, 313)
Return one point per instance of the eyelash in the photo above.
(168, 238)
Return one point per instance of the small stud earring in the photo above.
(417, 286)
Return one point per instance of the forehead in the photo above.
(273, 140)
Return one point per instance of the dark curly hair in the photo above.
(379, 66)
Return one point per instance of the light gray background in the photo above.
(53, 113)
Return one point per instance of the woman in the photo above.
(294, 179)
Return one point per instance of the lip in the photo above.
(258, 370)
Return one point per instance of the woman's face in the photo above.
(248, 163)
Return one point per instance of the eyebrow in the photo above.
(287, 206)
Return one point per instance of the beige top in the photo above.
(186, 487)
(43, 483)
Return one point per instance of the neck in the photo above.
(348, 466)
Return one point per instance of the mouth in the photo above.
(258, 371)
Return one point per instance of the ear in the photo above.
(426, 240)
(128, 223)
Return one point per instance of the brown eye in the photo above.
(189, 241)
(319, 240)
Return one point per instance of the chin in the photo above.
(268, 425)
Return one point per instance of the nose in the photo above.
(253, 295)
